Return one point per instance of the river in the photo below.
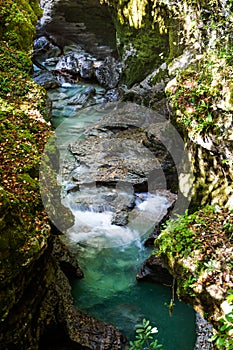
(110, 255)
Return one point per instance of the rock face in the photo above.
(118, 150)
(207, 131)
(46, 79)
(43, 304)
(79, 22)
(204, 332)
(154, 270)
(83, 49)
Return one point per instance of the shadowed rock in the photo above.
(154, 270)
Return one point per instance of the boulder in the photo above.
(120, 218)
(46, 79)
(41, 45)
(113, 95)
(108, 73)
(86, 68)
(68, 63)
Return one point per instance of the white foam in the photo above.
(151, 203)
(95, 229)
(66, 85)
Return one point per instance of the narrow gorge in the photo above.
(117, 119)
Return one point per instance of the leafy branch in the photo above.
(145, 337)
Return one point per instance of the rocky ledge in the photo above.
(43, 312)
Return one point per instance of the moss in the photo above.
(199, 93)
(145, 39)
(231, 93)
(18, 20)
(144, 46)
(197, 249)
(23, 134)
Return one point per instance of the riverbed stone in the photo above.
(119, 149)
(113, 95)
(86, 68)
(120, 218)
(108, 73)
(46, 79)
(83, 97)
(68, 63)
(41, 44)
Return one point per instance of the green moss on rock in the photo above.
(197, 249)
(23, 134)
(147, 36)
(18, 20)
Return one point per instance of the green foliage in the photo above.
(144, 337)
(200, 246)
(23, 134)
(194, 231)
(223, 339)
(18, 20)
(141, 48)
(197, 95)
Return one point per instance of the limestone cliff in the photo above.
(191, 41)
(191, 60)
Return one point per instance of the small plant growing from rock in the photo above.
(145, 337)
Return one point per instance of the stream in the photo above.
(111, 253)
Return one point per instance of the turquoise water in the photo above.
(110, 292)
(111, 256)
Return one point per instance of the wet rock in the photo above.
(113, 95)
(45, 49)
(150, 240)
(120, 218)
(52, 61)
(82, 98)
(41, 45)
(68, 63)
(154, 270)
(112, 160)
(204, 331)
(100, 199)
(53, 52)
(46, 79)
(86, 68)
(67, 261)
(108, 73)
